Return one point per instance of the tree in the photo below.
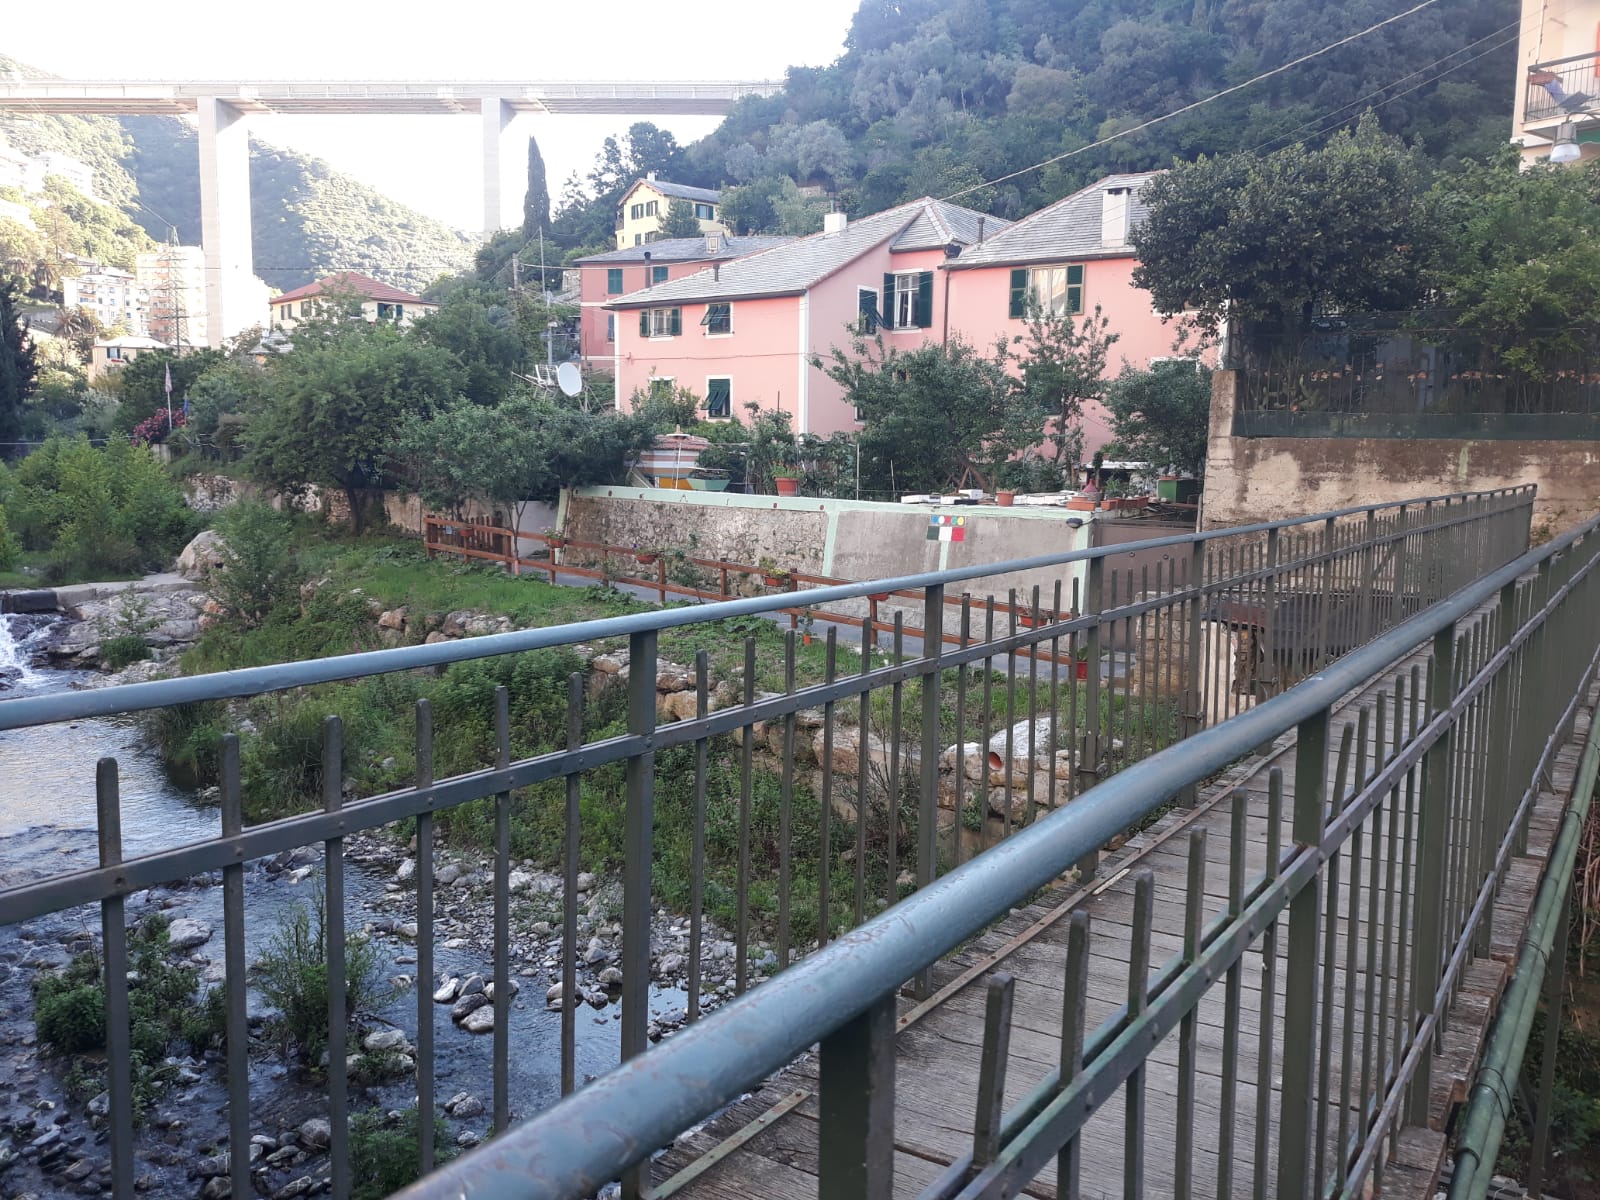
(19, 367)
(1161, 416)
(79, 327)
(1268, 241)
(337, 400)
(1063, 363)
(680, 221)
(935, 414)
(772, 204)
(483, 340)
(144, 383)
(520, 451)
(536, 203)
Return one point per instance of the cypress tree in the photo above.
(536, 204)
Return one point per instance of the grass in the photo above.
(29, 572)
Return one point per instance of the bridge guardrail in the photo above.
(1226, 620)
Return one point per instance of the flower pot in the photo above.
(880, 597)
(1081, 668)
(787, 485)
(1082, 504)
(1004, 498)
(645, 559)
(775, 581)
(555, 543)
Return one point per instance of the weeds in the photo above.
(292, 974)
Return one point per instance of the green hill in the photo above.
(308, 219)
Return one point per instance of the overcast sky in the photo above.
(431, 163)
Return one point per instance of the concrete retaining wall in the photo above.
(1269, 478)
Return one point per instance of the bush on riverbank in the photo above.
(108, 511)
(292, 974)
(70, 1011)
(384, 1151)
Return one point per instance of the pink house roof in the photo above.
(351, 281)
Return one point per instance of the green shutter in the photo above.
(719, 397)
(1075, 275)
(614, 281)
(1019, 292)
(922, 307)
(677, 321)
(644, 322)
(658, 274)
(1075, 288)
(886, 311)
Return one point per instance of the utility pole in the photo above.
(549, 323)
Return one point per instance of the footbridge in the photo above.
(1231, 864)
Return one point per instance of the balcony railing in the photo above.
(1562, 87)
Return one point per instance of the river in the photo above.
(47, 825)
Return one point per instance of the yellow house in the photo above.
(1556, 112)
(112, 354)
(644, 207)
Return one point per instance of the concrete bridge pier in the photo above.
(505, 164)
(225, 218)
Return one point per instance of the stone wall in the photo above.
(1269, 478)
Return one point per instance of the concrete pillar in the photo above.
(225, 219)
(505, 165)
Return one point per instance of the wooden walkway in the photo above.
(773, 1147)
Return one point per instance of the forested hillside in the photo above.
(935, 96)
(309, 219)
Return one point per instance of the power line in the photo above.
(1178, 112)
(1342, 113)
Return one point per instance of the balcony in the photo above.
(1563, 89)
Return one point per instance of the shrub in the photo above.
(259, 571)
(293, 976)
(383, 1153)
(117, 652)
(69, 1009)
(10, 547)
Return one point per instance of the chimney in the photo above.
(834, 222)
(980, 228)
(1114, 216)
(647, 268)
(716, 271)
(650, 175)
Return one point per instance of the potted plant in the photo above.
(787, 480)
(1004, 497)
(645, 555)
(772, 574)
(553, 538)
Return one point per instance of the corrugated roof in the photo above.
(351, 281)
(1069, 228)
(665, 250)
(677, 191)
(790, 269)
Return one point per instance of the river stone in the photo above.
(553, 996)
(671, 964)
(471, 984)
(448, 991)
(79, 1171)
(468, 1138)
(585, 882)
(186, 933)
(385, 1040)
(479, 1020)
(406, 871)
(300, 1187)
(316, 1134)
(519, 881)
(447, 874)
(611, 977)
(467, 1005)
(512, 986)
(219, 1187)
(464, 1105)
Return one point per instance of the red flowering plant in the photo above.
(153, 430)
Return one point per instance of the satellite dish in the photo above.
(568, 379)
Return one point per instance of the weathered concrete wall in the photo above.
(846, 539)
(1265, 479)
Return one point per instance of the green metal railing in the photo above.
(1223, 626)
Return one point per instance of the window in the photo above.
(611, 327)
(1057, 291)
(637, 239)
(113, 353)
(719, 397)
(613, 281)
(908, 300)
(650, 209)
(660, 387)
(391, 312)
(636, 211)
(286, 311)
(867, 318)
(660, 322)
(652, 235)
(658, 274)
(718, 319)
(705, 212)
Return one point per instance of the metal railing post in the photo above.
(638, 842)
(1088, 764)
(1433, 837)
(1193, 692)
(114, 944)
(928, 800)
(1304, 964)
(856, 1129)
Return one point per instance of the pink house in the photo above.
(1067, 258)
(603, 277)
(747, 330)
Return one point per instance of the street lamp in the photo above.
(1566, 148)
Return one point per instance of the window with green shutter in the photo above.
(718, 318)
(660, 322)
(908, 300)
(1051, 291)
(613, 281)
(658, 275)
(719, 398)
(887, 311)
